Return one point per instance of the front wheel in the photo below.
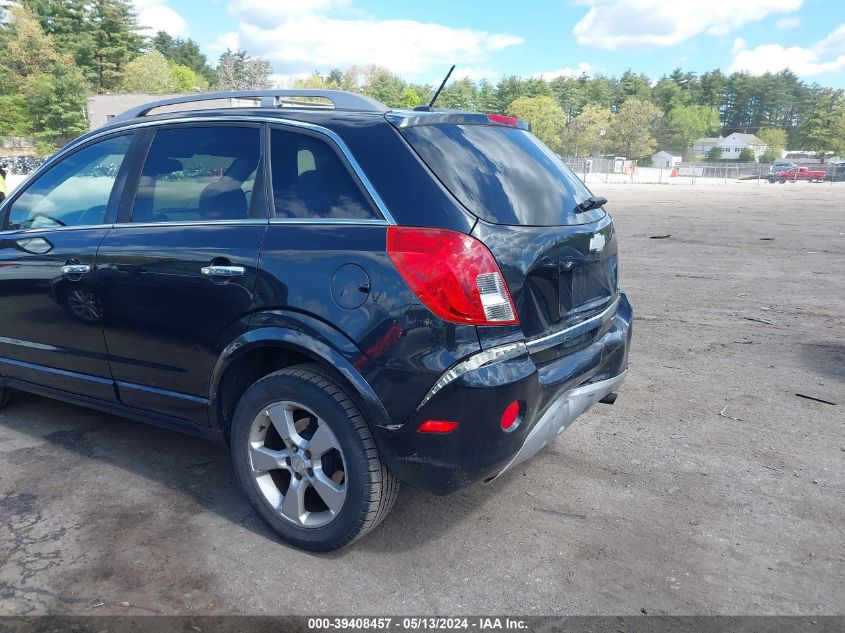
(307, 460)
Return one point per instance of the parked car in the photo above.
(778, 167)
(346, 297)
(798, 173)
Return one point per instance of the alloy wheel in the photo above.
(298, 464)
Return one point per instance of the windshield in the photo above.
(502, 174)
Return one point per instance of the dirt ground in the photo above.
(709, 487)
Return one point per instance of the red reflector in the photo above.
(437, 426)
(510, 415)
(504, 120)
(449, 272)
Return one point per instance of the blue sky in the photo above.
(491, 39)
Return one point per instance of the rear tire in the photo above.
(5, 395)
(306, 458)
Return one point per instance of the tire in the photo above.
(781, 180)
(342, 493)
(5, 395)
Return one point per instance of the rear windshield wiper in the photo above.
(590, 203)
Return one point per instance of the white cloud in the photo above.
(580, 69)
(818, 59)
(613, 24)
(223, 41)
(155, 16)
(739, 44)
(788, 23)
(476, 73)
(306, 35)
(833, 43)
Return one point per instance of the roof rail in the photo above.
(341, 100)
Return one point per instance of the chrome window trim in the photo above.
(244, 222)
(550, 340)
(48, 229)
(281, 122)
(351, 221)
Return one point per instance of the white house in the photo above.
(664, 159)
(731, 145)
(704, 145)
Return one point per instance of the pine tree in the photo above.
(115, 34)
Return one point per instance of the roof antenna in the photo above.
(437, 94)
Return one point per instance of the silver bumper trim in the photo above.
(560, 415)
(502, 352)
(550, 340)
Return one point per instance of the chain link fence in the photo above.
(607, 170)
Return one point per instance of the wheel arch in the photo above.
(268, 348)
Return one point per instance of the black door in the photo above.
(50, 310)
(178, 271)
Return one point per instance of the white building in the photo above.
(664, 159)
(731, 145)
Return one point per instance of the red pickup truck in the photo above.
(798, 173)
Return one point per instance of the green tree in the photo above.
(507, 91)
(185, 79)
(56, 103)
(410, 98)
(149, 72)
(583, 134)
(630, 131)
(824, 129)
(67, 23)
(775, 139)
(668, 95)
(185, 52)
(382, 85)
(27, 49)
(747, 155)
(571, 93)
(545, 116)
(116, 42)
(459, 95)
(714, 154)
(688, 123)
(634, 86)
(600, 90)
(39, 83)
(15, 119)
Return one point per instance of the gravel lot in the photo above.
(709, 487)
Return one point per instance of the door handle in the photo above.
(76, 269)
(223, 271)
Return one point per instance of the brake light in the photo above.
(453, 274)
(504, 120)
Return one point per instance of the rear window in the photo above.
(501, 174)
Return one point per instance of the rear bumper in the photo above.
(586, 367)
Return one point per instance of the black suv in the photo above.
(346, 295)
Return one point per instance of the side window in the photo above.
(311, 181)
(199, 174)
(74, 192)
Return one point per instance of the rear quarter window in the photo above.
(503, 175)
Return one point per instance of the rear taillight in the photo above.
(453, 274)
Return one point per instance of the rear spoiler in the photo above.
(410, 118)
